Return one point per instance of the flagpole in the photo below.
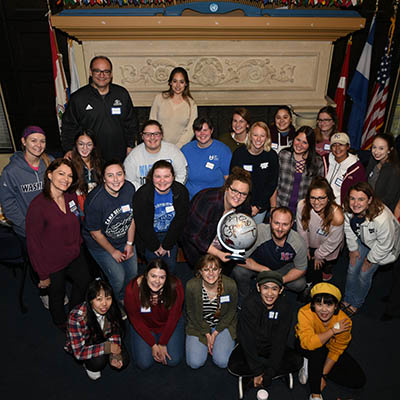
(395, 7)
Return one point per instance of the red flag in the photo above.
(340, 94)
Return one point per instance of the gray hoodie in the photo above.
(19, 185)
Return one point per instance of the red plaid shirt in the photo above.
(78, 335)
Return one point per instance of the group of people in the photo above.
(113, 202)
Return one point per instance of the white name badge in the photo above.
(210, 165)
(145, 309)
(274, 145)
(225, 299)
(248, 168)
(72, 206)
(116, 110)
(339, 182)
(327, 146)
(321, 232)
(264, 165)
(126, 208)
(169, 209)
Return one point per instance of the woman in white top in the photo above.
(175, 109)
(320, 223)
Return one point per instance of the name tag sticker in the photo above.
(116, 110)
(327, 146)
(145, 309)
(321, 232)
(339, 182)
(274, 145)
(126, 208)
(248, 168)
(169, 209)
(209, 165)
(225, 299)
(264, 165)
(72, 206)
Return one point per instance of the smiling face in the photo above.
(84, 146)
(162, 180)
(258, 137)
(101, 74)
(281, 223)
(318, 200)
(359, 202)
(380, 149)
(35, 144)
(283, 120)
(203, 136)
(269, 292)
(101, 303)
(114, 179)
(235, 195)
(61, 178)
(325, 122)
(300, 144)
(156, 278)
(178, 83)
(210, 274)
(152, 137)
(340, 151)
(324, 310)
(239, 125)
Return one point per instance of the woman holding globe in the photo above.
(207, 208)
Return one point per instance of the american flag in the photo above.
(376, 110)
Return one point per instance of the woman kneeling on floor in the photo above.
(211, 301)
(324, 333)
(153, 302)
(95, 330)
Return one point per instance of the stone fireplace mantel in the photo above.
(231, 60)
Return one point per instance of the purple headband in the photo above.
(32, 129)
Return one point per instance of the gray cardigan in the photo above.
(195, 324)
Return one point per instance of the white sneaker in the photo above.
(93, 375)
(45, 301)
(303, 373)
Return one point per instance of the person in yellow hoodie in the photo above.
(324, 333)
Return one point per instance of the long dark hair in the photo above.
(328, 213)
(159, 164)
(52, 167)
(113, 315)
(168, 293)
(376, 206)
(186, 92)
(311, 160)
(95, 162)
(331, 111)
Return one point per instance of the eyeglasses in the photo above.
(149, 134)
(210, 269)
(105, 72)
(88, 145)
(319, 199)
(324, 120)
(237, 193)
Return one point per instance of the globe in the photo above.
(237, 232)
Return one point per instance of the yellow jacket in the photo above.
(309, 326)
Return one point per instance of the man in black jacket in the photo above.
(106, 109)
(263, 328)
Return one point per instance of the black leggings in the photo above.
(99, 363)
(346, 371)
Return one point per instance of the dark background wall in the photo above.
(27, 80)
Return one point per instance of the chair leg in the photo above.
(22, 305)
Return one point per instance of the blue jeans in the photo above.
(170, 261)
(118, 274)
(358, 282)
(141, 350)
(197, 352)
